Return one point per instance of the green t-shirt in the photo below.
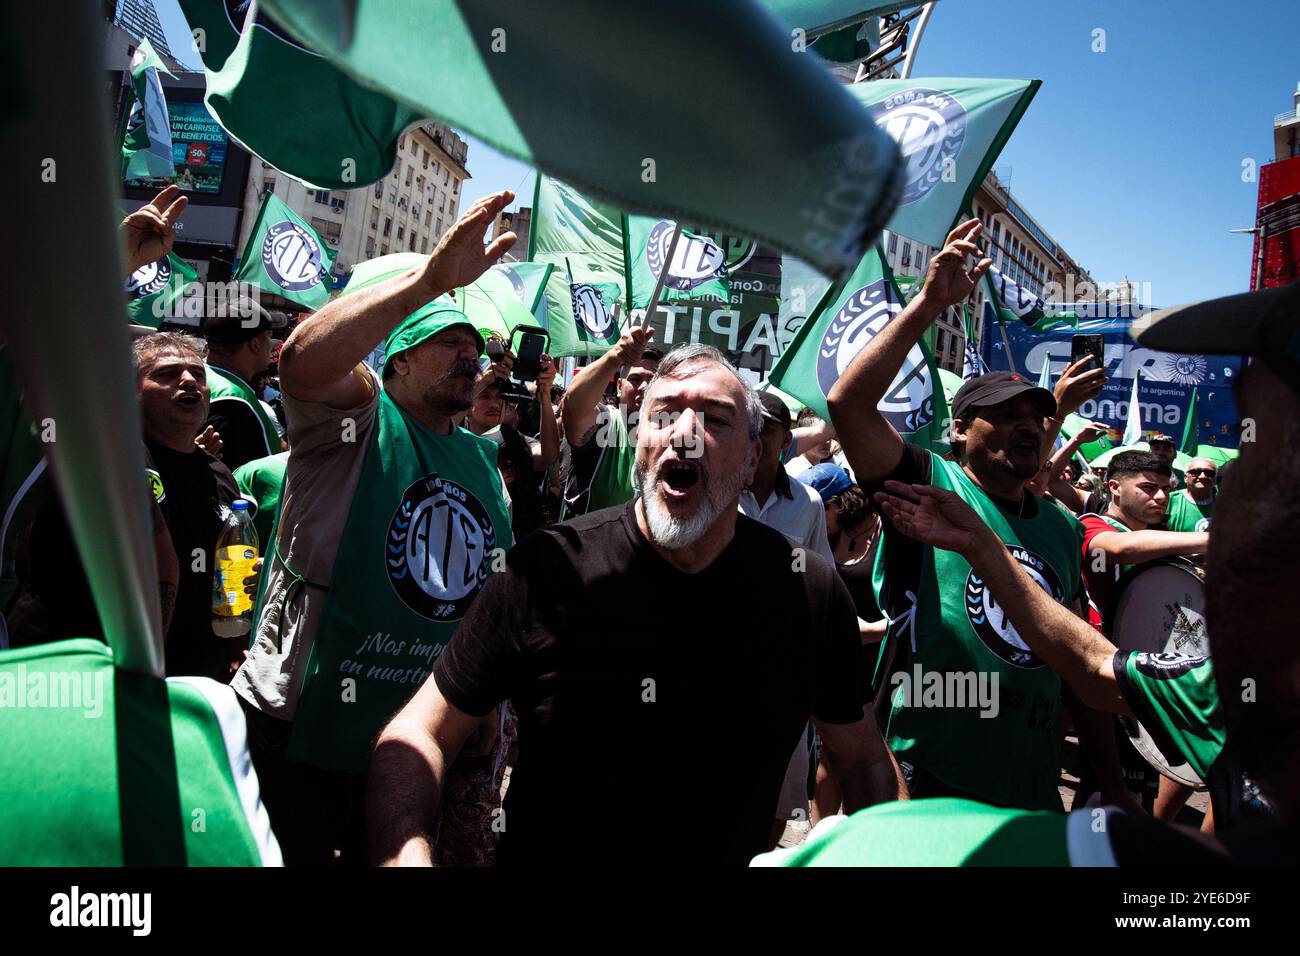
(1184, 514)
(982, 715)
(262, 479)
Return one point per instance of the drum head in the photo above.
(1160, 609)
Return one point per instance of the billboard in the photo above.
(1167, 377)
(199, 147)
(1277, 221)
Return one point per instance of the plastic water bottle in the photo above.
(232, 609)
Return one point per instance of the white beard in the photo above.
(669, 531)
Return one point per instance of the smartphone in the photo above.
(1081, 345)
(528, 354)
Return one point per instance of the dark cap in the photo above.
(243, 321)
(994, 388)
(1264, 324)
(774, 410)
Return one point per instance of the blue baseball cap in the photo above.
(827, 479)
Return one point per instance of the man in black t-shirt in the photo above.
(646, 647)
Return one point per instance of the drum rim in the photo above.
(1126, 578)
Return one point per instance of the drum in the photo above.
(1160, 608)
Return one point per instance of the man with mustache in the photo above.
(619, 639)
(391, 520)
(944, 619)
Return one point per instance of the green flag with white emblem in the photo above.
(698, 269)
(583, 240)
(146, 130)
(951, 131)
(288, 104)
(585, 91)
(155, 291)
(849, 316)
(286, 257)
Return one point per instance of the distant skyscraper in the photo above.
(140, 19)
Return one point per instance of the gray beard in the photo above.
(674, 533)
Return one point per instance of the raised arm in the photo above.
(321, 361)
(582, 400)
(871, 444)
(1068, 645)
(149, 233)
(548, 435)
(807, 437)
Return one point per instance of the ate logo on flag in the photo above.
(696, 261)
(292, 257)
(149, 278)
(516, 283)
(589, 308)
(438, 549)
(908, 404)
(929, 128)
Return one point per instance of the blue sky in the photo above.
(1131, 158)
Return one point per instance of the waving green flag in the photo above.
(146, 129)
(583, 240)
(951, 131)
(155, 290)
(583, 90)
(288, 104)
(698, 269)
(286, 257)
(1191, 426)
(849, 316)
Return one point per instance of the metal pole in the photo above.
(914, 41)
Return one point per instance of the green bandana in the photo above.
(424, 323)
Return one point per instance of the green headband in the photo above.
(424, 323)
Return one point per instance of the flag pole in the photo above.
(663, 273)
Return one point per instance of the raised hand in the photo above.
(545, 376)
(210, 441)
(150, 232)
(633, 343)
(460, 257)
(948, 281)
(1092, 431)
(934, 516)
(1078, 384)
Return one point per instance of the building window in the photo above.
(379, 190)
(907, 254)
(388, 226)
(415, 211)
(893, 243)
(442, 202)
(411, 244)
(428, 217)
(439, 230)
(401, 233)
(392, 196)
(424, 244)
(455, 187)
(401, 203)
(374, 218)
(410, 172)
(446, 176)
(370, 248)
(401, 143)
(329, 231)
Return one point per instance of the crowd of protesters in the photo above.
(594, 599)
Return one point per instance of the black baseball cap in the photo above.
(1263, 324)
(242, 322)
(774, 410)
(994, 388)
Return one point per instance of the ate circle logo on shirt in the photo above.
(989, 620)
(438, 548)
(908, 403)
(292, 257)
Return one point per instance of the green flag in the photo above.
(289, 105)
(848, 317)
(155, 291)
(1012, 303)
(1191, 426)
(286, 257)
(525, 281)
(146, 129)
(951, 131)
(583, 240)
(698, 269)
(584, 91)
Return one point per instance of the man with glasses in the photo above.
(1190, 508)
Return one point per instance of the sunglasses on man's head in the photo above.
(1193, 472)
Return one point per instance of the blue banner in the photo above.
(1167, 377)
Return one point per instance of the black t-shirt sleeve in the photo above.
(243, 438)
(479, 667)
(837, 690)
